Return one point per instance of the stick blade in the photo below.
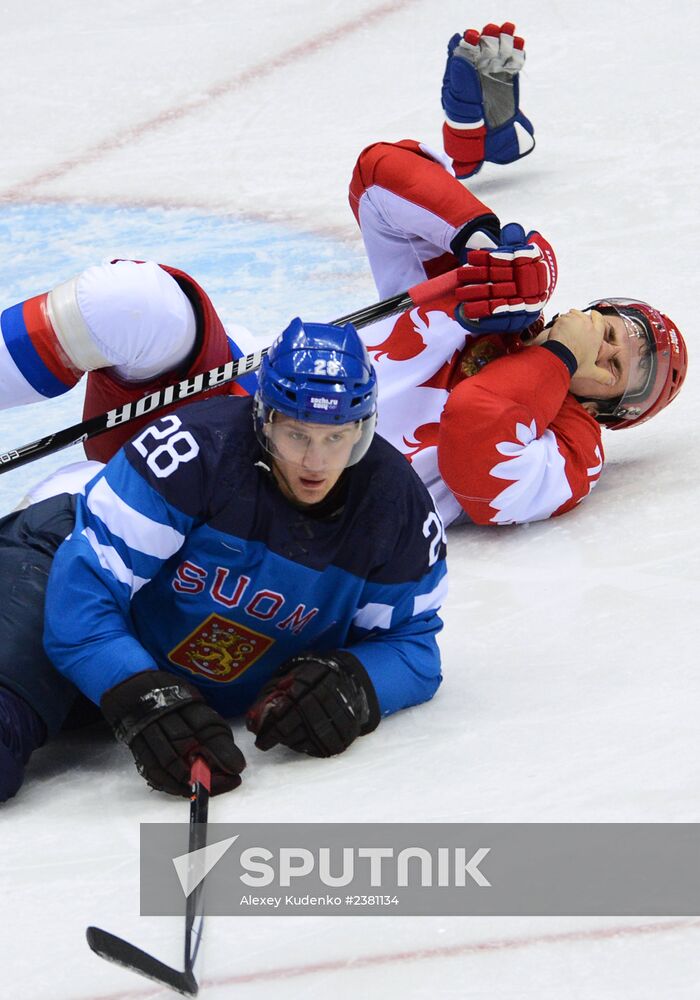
(115, 949)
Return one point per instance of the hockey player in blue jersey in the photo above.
(269, 556)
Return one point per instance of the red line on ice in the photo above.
(173, 114)
(423, 954)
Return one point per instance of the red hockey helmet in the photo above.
(663, 370)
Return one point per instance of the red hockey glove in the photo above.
(504, 290)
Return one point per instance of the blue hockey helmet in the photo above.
(319, 374)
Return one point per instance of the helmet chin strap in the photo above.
(278, 476)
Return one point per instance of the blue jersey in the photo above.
(187, 557)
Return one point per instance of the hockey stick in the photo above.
(115, 949)
(418, 295)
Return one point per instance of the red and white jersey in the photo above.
(487, 423)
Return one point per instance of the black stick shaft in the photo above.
(199, 812)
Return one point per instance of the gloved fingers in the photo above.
(166, 749)
(279, 718)
(263, 719)
(282, 723)
(531, 277)
(516, 61)
(468, 46)
(504, 273)
(496, 290)
(268, 735)
(172, 741)
(489, 45)
(500, 50)
(332, 737)
(506, 44)
(221, 783)
(222, 754)
(159, 765)
(286, 720)
(549, 258)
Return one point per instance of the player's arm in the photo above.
(320, 703)
(396, 629)
(134, 516)
(130, 318)
(513, 446)
(416, 219)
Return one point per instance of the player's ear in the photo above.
(267, 426)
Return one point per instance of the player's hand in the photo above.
(481, 99)
(166, 724)
(318, 703)
(582, 333)
(504, 290)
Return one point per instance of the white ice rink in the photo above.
(219, 136)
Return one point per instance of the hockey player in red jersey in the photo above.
(475, 390)
(500, 415)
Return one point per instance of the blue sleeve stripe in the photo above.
(26, 356)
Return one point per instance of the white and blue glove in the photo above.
(481, 98)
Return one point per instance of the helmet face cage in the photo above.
(653, 370)
(287, 439)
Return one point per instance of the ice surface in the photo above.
(219, 137)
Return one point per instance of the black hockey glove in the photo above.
(317, 703)
(165, 723)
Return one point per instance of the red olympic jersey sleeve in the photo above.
(514, 446)
(414, 214)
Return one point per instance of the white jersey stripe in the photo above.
(465, 126)
(432, 600)
(138, 531)
(373, 616)
(110, 560)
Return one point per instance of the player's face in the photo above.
(308, 459)
(622, 352)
